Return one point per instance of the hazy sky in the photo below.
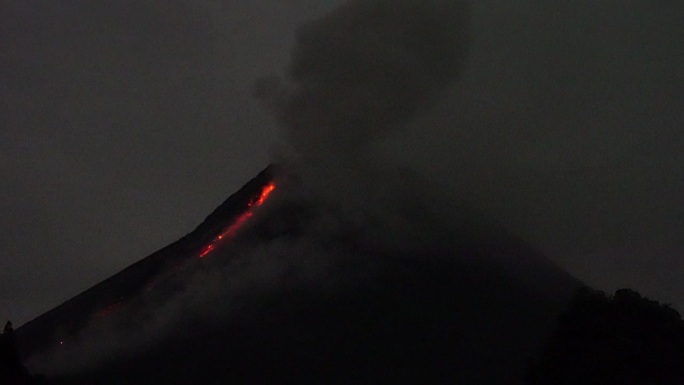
(124, 123)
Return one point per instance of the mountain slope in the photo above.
(58, 324)
(312, 291)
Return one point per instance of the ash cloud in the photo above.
(357, 75)
(363, 71)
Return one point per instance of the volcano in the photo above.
(277, 287)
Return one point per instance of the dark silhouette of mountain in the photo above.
(304, 294)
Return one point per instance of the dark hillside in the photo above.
(306, 295)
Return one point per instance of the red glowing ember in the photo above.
(231, 230)
(207, 250)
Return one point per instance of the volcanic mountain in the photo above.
(278, 286)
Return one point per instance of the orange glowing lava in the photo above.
(265, 192)
(231, 230)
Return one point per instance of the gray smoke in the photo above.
(358, 75)
(363, 71)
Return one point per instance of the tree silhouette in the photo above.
(621, 340)
(12, 372)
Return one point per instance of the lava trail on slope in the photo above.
(58, 325)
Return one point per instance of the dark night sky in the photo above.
(124, 123)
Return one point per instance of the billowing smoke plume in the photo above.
(358, 74)
(364, 70)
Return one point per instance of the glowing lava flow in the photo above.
(231, 230)
(265, 192)
(228, 233)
